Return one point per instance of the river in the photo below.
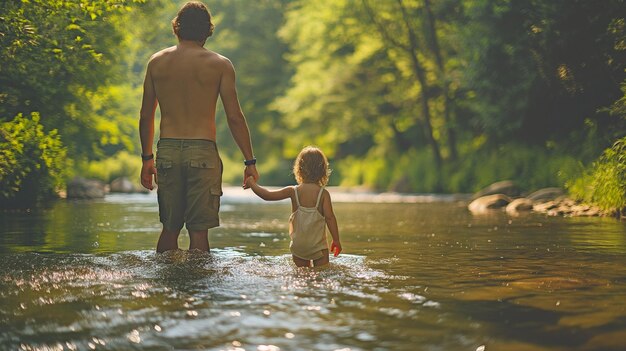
(417, 273)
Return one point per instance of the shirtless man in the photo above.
(185, 81)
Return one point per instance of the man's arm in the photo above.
(146, 129)
(236, 119)
(269, 195)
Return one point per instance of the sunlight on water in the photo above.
(153, 300)
(85, 276)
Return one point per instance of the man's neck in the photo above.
(189, 43)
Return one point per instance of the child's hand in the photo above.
(249, 182)
(335, 247)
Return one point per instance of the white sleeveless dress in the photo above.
(307, 229)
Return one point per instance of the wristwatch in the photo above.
(250, 162)
(147, 157)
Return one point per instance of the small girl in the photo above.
(311, 209)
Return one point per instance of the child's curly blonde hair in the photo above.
(311, 166)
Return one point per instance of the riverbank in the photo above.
(507, 196)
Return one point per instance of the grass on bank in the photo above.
(604, 182)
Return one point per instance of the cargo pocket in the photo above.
(216, 194)
(204, 174)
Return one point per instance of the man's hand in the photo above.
(147, 170)
(249, 171)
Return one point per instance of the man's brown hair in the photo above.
(193, 22)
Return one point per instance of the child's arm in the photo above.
(331, 222)
(269, 195)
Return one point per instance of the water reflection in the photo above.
(414, 277)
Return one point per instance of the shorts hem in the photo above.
(196, 227)
(308, 259)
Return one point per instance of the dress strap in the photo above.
(319, 196)
(295, 189)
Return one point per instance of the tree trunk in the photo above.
(450, 125)
(418, 70)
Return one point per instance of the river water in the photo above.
(417, 273)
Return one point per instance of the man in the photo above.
(185, 81)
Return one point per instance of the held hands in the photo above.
(335, 248)
(249, 182)
(249, 172)
(147, 170)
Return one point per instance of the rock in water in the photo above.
(489, 202)
(81, 188)
(519, 205)
(505, 187)
(122, 185)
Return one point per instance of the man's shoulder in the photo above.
(217, 57)
(160, 54)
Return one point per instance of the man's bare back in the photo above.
(186, 81)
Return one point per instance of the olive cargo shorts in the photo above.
(189, 179)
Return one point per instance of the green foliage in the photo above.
(54, 56)
(530, 166)
(604, 183)
(409, 95)
(33, 163)
(59, 59)
(538, 70)
(411, 171)
(529, 79)
(246, 33)
(122, 164)
(349, 93)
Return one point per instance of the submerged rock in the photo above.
(489, 202)
(82, 188)
(505, 187)
(545, 206)
(519, 205)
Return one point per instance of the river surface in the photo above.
(417, 273)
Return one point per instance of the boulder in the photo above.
(505, 187)
(545, 206)
(122, 185)
(519, 205)
(489, 202)
(545, 194)
(81, 188)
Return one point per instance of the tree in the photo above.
(54, 56)
(545, 69)
(404, 38)
(32, 162)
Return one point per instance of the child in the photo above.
(311, 209)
